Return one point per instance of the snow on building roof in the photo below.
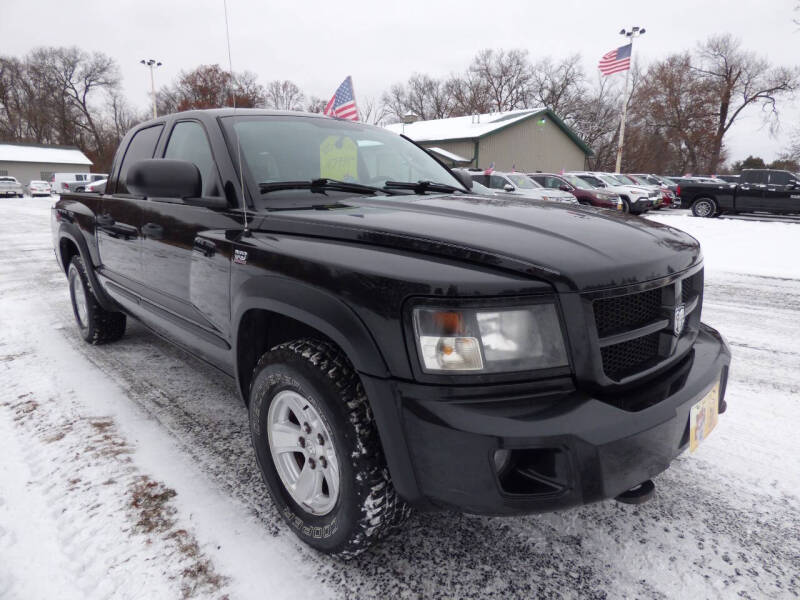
(42, 154)
(475, 126)
(461, 128)
(449, 155)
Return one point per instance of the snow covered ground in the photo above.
(127, 471)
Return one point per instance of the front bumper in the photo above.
(572, 447)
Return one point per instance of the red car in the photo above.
(583, 191)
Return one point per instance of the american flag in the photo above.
(616, 61)
(343, 103)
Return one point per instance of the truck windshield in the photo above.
(276, 149)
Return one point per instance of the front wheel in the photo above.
(704, 207)
(318, 449)
(96, 324)
(626, 205)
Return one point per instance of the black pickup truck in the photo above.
(758, 190)
(399, 341)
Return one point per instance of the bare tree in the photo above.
(508, 77)
(284, 95)
(469, 94)
(560, 86)
(372, 111)
(315, 104)
(597, 121)
(673, 109)
(422, 95)
(209, 86)
(741, 79)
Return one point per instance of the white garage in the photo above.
(35, 161)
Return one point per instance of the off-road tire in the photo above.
(699, 208)
(368, 507)
(101, 326)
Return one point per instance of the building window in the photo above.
(45, 175)
(3, 173)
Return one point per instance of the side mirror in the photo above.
(565, 188)
(164, 178)
(463, 178)
(508, 187)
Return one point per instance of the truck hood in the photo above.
(574, 247)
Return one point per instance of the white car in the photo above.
(74, 182)
(97, 187)
(37, 187)
(9, 186)
(635, 199)
(519, 184)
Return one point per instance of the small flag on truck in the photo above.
(343, 103)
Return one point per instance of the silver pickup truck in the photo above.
(9, 186)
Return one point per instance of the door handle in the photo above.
(206, 247)
(105, 220)
(152, 231)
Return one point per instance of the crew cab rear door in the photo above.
(118, 218)
(782, 194)
(186, 254)
(750, 192)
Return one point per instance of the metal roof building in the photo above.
(524, 140)
(35, 161)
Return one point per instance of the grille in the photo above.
(691, 286)
(623, 313)
(621, 360)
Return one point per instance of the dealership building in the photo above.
(35, 161)
(522, 140)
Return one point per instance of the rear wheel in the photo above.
(704, 207)
(318, 448)
(96, 324)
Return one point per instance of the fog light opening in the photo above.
(502, 458)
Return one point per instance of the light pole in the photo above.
(153, 64)
(633, 33)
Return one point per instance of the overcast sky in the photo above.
(316, 44)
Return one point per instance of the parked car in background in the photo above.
(519, 184)
(583, 191)
(668, 197)
(10, 187)
(97, 187)
(759, 190)
(658, 200)
(74, 182)
(37, 187)
(635, 199)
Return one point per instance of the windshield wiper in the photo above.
(320, 185)
(421, 186)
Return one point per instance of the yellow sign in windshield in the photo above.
(338, 158)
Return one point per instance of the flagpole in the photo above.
(624, 115)
(634, 32)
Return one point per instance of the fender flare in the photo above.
(314, 307)
(71, 232)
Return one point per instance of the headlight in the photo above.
(489, 340)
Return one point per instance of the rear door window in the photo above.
(188, 142)
(754, 177)
(779, 178)
(142, 146)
